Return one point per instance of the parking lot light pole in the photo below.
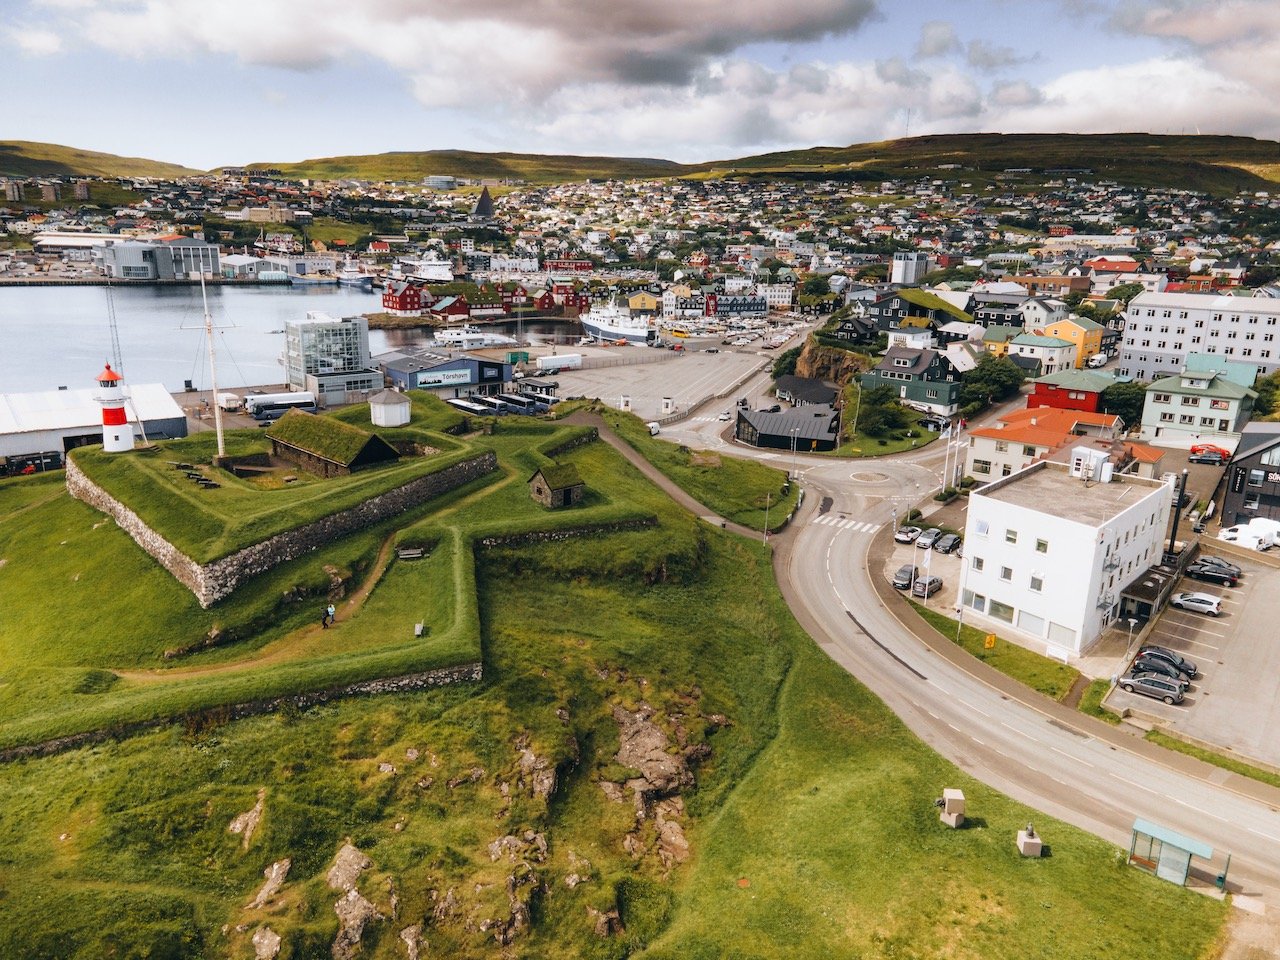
(794, 432)
(1133, 622)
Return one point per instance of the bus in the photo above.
(469, 408)
(273, 406)
(491, 404)
(520, 404)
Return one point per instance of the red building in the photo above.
(567, 266)
(405, 298)
(451, 308)
(1070, 390)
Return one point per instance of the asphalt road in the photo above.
(1036, 751)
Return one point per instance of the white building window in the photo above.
(1001, 611)
(1037, 583)
(1006, 573)
(977, 563)
(1011, 536)
(1042, 546)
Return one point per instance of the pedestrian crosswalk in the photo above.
(844, 523)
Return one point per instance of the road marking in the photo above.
(1071, 756)
(1266, 836)
(955, 728)
(1018, 731)
(1198, 810)
(970, 706)
(1138, 785)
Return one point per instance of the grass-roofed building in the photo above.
(327, 447)
(912, 307)
(557, 485)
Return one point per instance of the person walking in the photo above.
(330, 612)
(324, 618)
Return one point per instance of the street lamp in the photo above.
(766, 518)
(794, 432)
(1133, 622)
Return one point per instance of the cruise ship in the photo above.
(472, 338)
(612, 322)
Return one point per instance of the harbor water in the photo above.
(60, 336)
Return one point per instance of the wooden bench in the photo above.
(410, 553)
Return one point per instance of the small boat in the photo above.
(312, 279)
(351, 277)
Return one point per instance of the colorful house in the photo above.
(1084, 333)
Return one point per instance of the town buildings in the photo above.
(1161, 329)
(330, 357)
(1050, 550)
(1208, 401)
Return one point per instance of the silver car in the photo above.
(1205, 603)
(1152, 685)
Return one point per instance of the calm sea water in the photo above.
(60, 336)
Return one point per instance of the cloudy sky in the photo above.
(212, 82)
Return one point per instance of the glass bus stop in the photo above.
(1168, 854)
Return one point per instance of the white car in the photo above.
(725, 416)
(907, 534)
(1197, 603)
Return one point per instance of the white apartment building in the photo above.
(1049, 550)
(908, 268)
(1161, 329)
(777, 295)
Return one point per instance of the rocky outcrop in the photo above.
(536, 774)
(348, 864)
(643, 747)
(246, 823)
(275, 875)
(354, 912)
(829, 363)
(219, 578)
(266, 944)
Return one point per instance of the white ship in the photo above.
(611, 322)
(472, 338)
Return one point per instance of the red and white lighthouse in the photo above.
(117, 435)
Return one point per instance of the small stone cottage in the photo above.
(557, 486)
(327, 447)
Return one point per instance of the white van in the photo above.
(1248, 537)
(1097, 360)
(655, 428)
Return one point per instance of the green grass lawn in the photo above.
(854, 443)
(811, 825)
(739, 490)
(1050, 677)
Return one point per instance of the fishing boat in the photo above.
(352, 277)
(611, 322)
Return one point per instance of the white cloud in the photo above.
(35, 42)
(937, 37)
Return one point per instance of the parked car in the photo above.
(926, 586)
(907, 574)
(927, 539)
(907, 534)
(1212, 457)
(1143, 664)
(1211, 448)
(1152, 685)
(1219, 562)
(1197, 603)
(948, 543)
(1212, 573)
(1177, 659)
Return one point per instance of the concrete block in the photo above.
(952, 820)
(953, 801)
(1029, 845)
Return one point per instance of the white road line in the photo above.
(1266, 836)
(1198, 810)
(955, 728)
(970, 706)
(1140, 786)
(1019, 731)
(977, 741)
(1071, 756)
(1198, 643)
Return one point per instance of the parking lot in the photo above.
(931, 564)
(687, 377)
(1232, 702)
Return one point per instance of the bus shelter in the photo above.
(1166, 853)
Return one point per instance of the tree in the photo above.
(993, 379)
(817, 286)
(1268, 394)
(1125, 400)
(785, 364)
(1125, 292)
(1260, 275)
(879, 412)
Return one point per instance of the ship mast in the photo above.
(213, 369)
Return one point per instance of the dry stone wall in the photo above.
(213, 581)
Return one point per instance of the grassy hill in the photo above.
(26, 158)
(1210, 163)
(534, 168)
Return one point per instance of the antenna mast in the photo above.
(213, 368)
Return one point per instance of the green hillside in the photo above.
(26, 158)
(1210, 163)
(534, 168)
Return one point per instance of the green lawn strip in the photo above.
(855, 444)
(1242, 767)
(742, 491)
(1050, 677)
(1091, 701)
(208, 524)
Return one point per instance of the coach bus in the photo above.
(273, 406)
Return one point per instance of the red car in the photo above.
(1200, 448)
